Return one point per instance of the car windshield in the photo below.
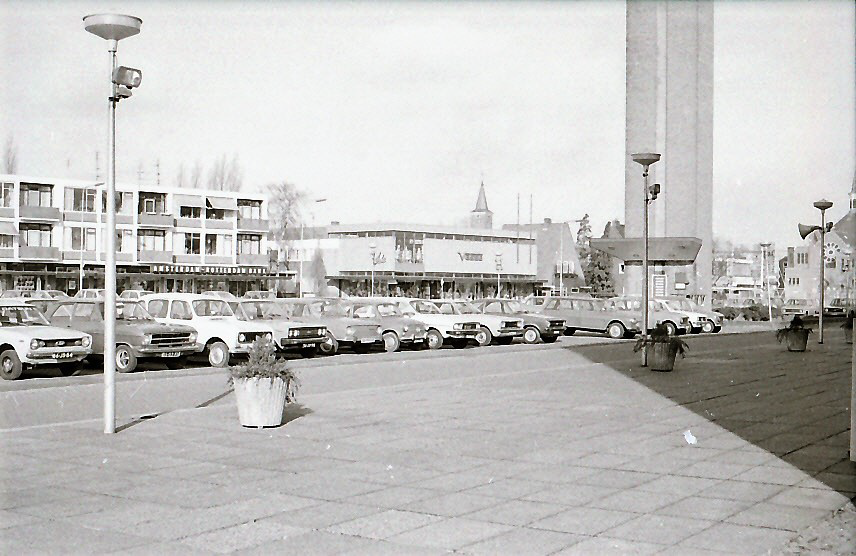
(387, 309)
(515, 306)
(21, 315)
(263, 310)
(211, 308)
(131, 311)
(425, 308)
(466, 308)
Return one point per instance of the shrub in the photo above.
(262, 363)
(660, 335)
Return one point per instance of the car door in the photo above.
(85, 318)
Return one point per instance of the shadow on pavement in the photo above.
(793, 405)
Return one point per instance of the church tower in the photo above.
(481, 217)
(853, 194)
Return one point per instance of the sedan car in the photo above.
(535, 327)
(675, 322)
(138, 335)
(701, 320)
(228, 296)
(288, 334)
(398, 329)
(134, 294)
(27, 339)
(501, 329)
(342, 330)
(259, 294)
(583, 312)
(89, 294)
(455, 330)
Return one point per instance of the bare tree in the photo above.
(225, 174)
(284, 202)
(196, 176)
(180, 177)
(10, 156)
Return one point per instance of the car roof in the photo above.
(183, 296)
(14, 302)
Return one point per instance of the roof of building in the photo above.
(846, 228)
(481, 202)
(346, 229)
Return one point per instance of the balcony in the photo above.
(27, 252)
(219, 259)
(253, 225)
(154, 256)
(212, 224)
(253, 260)
(40, 213)
(73, 256)
(188, 222)
(156, 220)
(188, 259)
(120, 218)
(79, 216)
(7, 253)
(7, 212)
(124, 257)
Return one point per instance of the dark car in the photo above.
(535, 327)
(138, 335)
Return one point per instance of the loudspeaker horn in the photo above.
(805, 230)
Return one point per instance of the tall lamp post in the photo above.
(113, 28)
(498, 259)
(646, 160)
(303, 249)
(377, 258)
(766, 278)
(822, 205)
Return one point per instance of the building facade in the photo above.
(52, 236)
(558, 263)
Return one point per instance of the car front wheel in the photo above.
(126, 361)
(391, 342)
(329, 346)
(218, 354)
(10, 366)
(616, 330)
(671, 328)
(531, 335)
(434, 339)
(708, 327)
(483, 337)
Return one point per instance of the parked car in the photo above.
(398, 329)
(138, 335)
(456, 330)
(342, 330)
(493, 328)
(839, 306)
(583, 312)
(701, 320)
(797, 307)
(287, 334)
(675, 323)
(259, 294)
(535, 327)
(133, 294)
(27, 339)
(26, 294)
(89, 294)
(228, 296)
(219, 334)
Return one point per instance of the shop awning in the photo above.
(661, 250)
(222, 203)
(189, 201)
(8, 229)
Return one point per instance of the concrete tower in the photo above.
(481, 217)
(670, 111)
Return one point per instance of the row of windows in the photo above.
(794, 281)
(413, 238)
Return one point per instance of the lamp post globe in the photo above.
(112, 28)
(822, 205)
(645, 159)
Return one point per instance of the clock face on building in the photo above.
(831, 251)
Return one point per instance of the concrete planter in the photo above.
(661, 356)
(797, 339)
(261, 401)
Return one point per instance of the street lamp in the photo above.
(765, 277)
(303, 248)
(377, 258)
(113, 28)
(498, 259)
(822, 205)
(646, 160)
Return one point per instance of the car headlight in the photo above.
(268, 336)
(192, 337)
(292, 333)
(34, 344)
(458, 326)
(87, 341)
(242, 337)
(322, 331)
(147, 338)
(406, 328)
(349, 330)
(379, 330)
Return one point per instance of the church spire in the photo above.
(481, 202)
(853, 193)
(481, 216)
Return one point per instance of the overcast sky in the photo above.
(397, 111)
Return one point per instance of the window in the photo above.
(124, 202)
(250, 209)
(83, 310)
(63, 312)
(36, 235)
(180, 310)
(845, 265)
(80, 239)
(191, 212)
(7, 189)
(227, 250)
(151, 240)
(6, 241)
(210, 244)
(124, 241)
(36, 195)
(215, 214)
(249, 244)
(158, 308)
(191, 244)
(152, 203)
(80, 199)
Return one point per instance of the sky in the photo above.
(397, 111)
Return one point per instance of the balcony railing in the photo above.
(40, 213)
(154, 256)
(219, 224)
(120, 218)
(253, 260)
(156, 220)
(253, 224)
(74, 255)
(188, 222)
(188, 259)
(79, 216)
(7, 212)
(38, 252)
(219, 259)
(7, 253)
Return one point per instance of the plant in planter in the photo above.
(263, 385)
(795, 334)
(662, 348)
(847, 325)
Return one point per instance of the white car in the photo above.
(134, 294)
(455, 329)
(288, 334)
(27, 339)
(501, 328)
(220, 334)
(701, 320)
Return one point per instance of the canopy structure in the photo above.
(189, 201)
(663, 251)
(8, 229)
(222, 203)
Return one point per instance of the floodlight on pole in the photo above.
(822, 206)
(302, 249)
(645, 160)
(498, 260)
(112, 28)
(764, 247)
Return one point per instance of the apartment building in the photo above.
(52, 234)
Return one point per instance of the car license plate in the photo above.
(171, 354)
(367, 340)
(307, 345)
(64, 355)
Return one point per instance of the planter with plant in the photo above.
(263, 386)
(795, 334)
(662, 348)
(848, 326)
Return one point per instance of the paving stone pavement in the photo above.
(565, 451)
